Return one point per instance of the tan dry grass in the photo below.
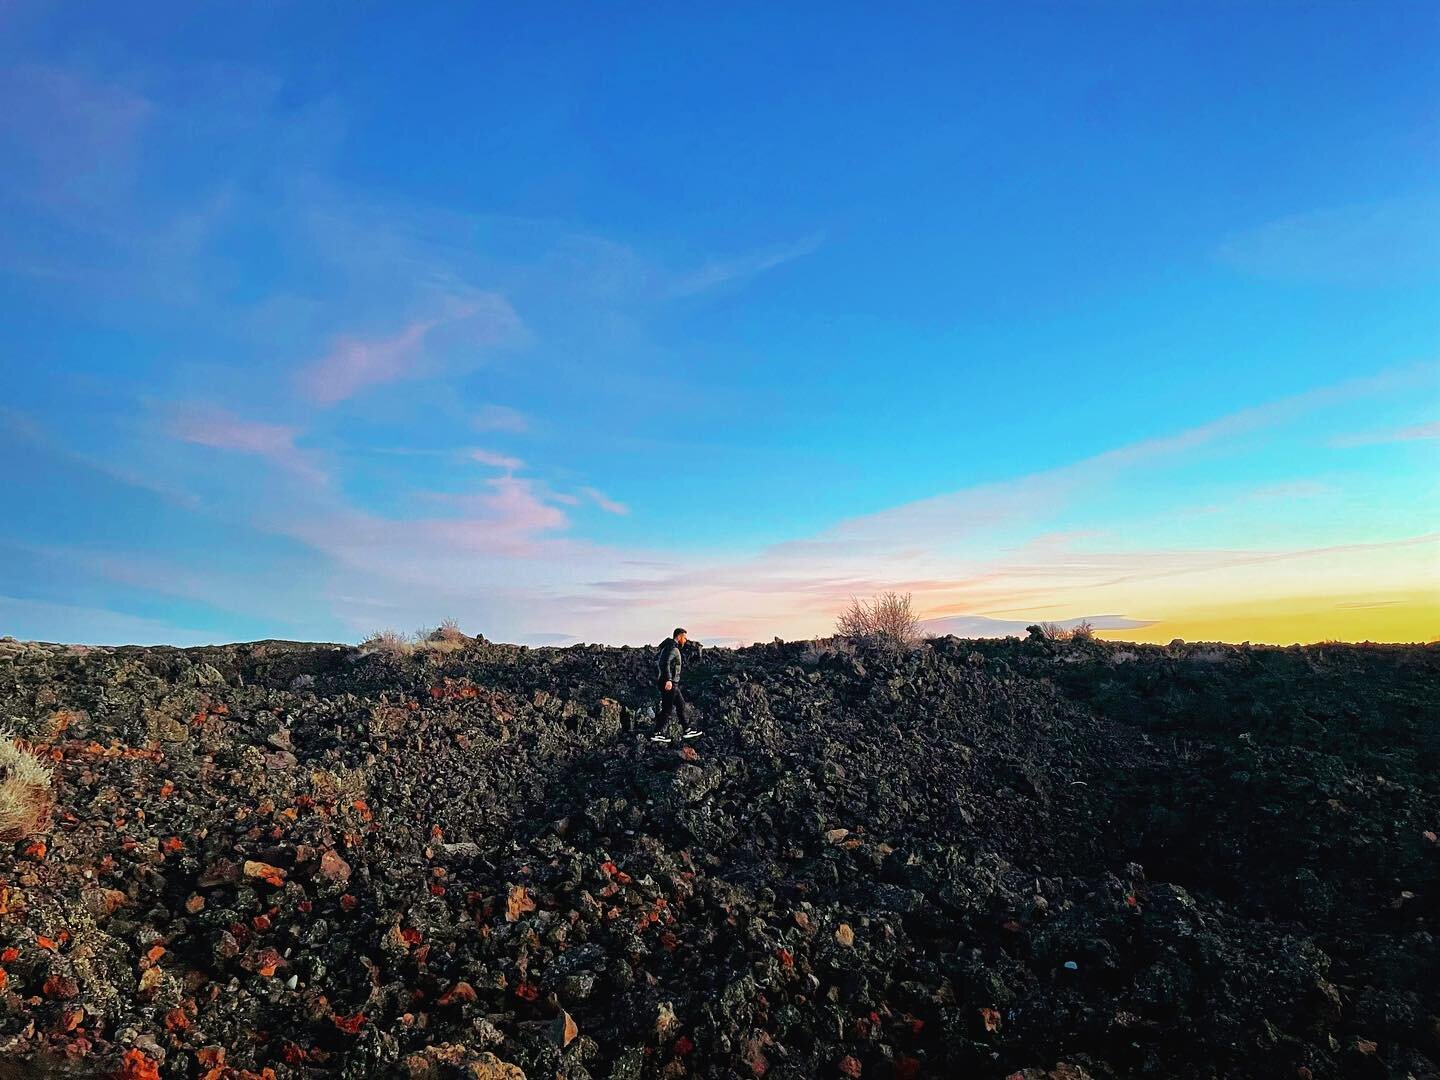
(25, 798)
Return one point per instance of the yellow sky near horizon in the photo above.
(1405, 617)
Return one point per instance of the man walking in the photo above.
(672, 699)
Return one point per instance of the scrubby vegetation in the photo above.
(447, 637)
(887, 619)
(1083, 630)
(1044, 858)
(25, 800)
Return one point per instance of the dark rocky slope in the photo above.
(984, 858)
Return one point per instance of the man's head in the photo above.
(679, 635)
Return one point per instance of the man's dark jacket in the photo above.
(670, 662)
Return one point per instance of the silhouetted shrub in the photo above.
(887, 618)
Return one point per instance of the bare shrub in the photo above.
(1084, 630)
(886, 618)
(1049, 631)
(25, 799)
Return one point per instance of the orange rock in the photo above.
(334, 868)
(136, 1066)
(71, 1017)
(564, 1030)
(461, 991)
(517, 903)
(351, 1025)
(272, 875)
(60, 988)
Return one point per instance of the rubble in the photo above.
(984, 858)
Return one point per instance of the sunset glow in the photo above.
(719, 321)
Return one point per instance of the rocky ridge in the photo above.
(982, 858)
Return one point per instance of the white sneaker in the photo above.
(693, 734)
(660, 738)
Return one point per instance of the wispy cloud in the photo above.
(1359, 244)
(604, 502)
(1411, 433)
(498, 461)
(500, 418)
(220, 429)
(506, 561)
(355, 364)
(720, 272)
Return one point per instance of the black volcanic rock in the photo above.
(984, 858)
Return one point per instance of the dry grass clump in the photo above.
(389, 642)
(447, 637)
(25, 799)
(886, 619)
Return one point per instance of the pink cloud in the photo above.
(354, 364)
(499, 461)
(511, 513)
(517, 506)
(208, 425)
(600, 499)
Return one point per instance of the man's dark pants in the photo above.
(671, 700)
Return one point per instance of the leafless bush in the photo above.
(886, 618)
(25, 800)
(1084, 630)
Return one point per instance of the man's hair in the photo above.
(678, 631)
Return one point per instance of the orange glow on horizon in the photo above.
(1411, 617)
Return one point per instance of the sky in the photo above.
(581, 322)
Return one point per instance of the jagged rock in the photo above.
(333, 868)
(489, 1067)
(376, 865)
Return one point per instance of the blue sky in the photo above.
(579, 322)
